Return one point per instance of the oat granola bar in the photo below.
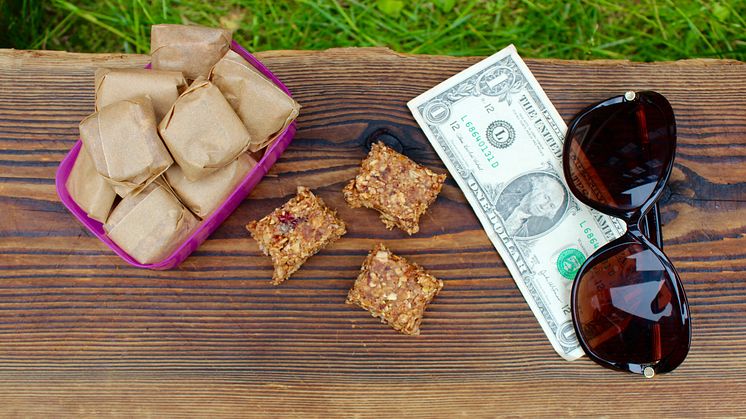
(296, 231)
(394, 289)
(400, 189)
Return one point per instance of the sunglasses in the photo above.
(629, 309)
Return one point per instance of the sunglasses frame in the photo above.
(643, 227)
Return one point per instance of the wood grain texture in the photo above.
(84, 334)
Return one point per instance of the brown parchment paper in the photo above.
(124, 144)
(202, 131)
(190, 49)
(163, 87)
(149, 226)
(205, 195)
(89, 189)
(263, 107)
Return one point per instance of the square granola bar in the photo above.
(400, 189)
(296, 231)
(394, 289)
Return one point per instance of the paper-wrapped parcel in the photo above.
(163, 87)
(150, 225)
(192, 49)
(89, 189)
(262, 106)
(202, 131)
(205, 195)
(124, 144)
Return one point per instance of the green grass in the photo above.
(643, 30)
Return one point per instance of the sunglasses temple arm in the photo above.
(652, 226)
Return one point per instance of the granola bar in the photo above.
(394, 289)
(296, 231)
(400, 189)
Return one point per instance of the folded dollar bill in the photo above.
(501, 139)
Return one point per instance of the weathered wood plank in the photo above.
(85, 334)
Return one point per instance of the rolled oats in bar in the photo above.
(400, 189)
(296, 231)
(393, 289)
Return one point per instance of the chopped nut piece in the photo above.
(394, 289)
(296, 231)
(400, 189)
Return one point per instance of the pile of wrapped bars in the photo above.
(166, 146)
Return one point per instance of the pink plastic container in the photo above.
(208, 225)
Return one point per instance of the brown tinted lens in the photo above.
(629, 310)
(619, 151)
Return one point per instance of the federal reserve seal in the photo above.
(569, 262)
(500, 134)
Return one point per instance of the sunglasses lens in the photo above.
(620, 151)
(630, 311)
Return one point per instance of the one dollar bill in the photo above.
(500, 137)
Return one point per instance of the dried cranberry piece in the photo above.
(288, 222)
(287, 218)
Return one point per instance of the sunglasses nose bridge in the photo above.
(634, 228)
(638, 229)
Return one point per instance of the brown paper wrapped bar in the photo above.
(163, 87)
(205, 195)
(262, 106)
(124, 144)
(202, 131)
(149, 226)
(191, 49)
(89, 189)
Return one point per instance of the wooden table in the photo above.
(83, 333)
